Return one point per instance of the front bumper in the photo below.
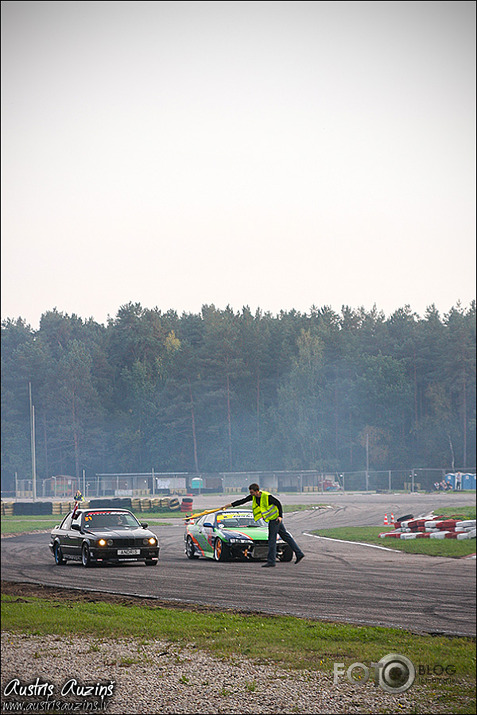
(255, 551)
(102, 555)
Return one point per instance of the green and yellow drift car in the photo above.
(231, 534)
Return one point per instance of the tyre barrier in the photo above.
(57, 508)
(32, 509)
(114, 502)
(466, 535)
(435, 528)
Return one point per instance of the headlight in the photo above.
(103, 542)
(149, 542)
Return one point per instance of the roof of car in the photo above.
(104, 509)
(238, 508)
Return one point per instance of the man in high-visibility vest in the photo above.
(269, 508)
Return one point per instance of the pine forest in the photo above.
(223, 391)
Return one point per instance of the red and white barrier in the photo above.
(434, 527)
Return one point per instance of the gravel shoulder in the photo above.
(158, 676)
(161, 677)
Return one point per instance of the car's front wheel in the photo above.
(85, 556)
(221, 551)
(59, 559)
(190, 549)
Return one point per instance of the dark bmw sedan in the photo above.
(103, 536)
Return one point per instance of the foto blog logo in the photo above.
(394, 673)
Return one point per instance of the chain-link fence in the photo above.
(301, 481)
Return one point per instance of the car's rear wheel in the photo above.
(150, 562)
(287, 554)
(59, 558)
(221, 551)
(85, 556)
(190, 549)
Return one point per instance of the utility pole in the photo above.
(32, 438)
(367, 461)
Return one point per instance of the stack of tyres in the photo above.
(123, 503)
(102, 503)
(105, 503)
(174, 504)
(187, 504)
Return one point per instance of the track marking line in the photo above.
(360, 543)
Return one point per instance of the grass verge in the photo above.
(292, 643)
(42, 522)
(370, 535)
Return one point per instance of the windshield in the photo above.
(106, 520)
(233, 521)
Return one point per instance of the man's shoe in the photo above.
(299, 558)
(268, 566)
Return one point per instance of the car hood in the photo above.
(120, 533)
(254, 533)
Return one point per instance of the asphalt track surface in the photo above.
(337, 581)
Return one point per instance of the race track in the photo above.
(335, 582)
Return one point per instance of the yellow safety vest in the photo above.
(264, 510)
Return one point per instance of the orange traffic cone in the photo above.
(386, 520)
(392, 518)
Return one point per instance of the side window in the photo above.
(206, 518)
(66, 524)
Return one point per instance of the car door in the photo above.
(203, 534)
(75, 536)
(210, 532)
(63, 534)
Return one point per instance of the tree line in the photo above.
(239, 391)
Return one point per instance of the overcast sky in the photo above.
(271, 154)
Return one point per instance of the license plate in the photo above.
(129, 552)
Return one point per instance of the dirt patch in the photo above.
(24, 590)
